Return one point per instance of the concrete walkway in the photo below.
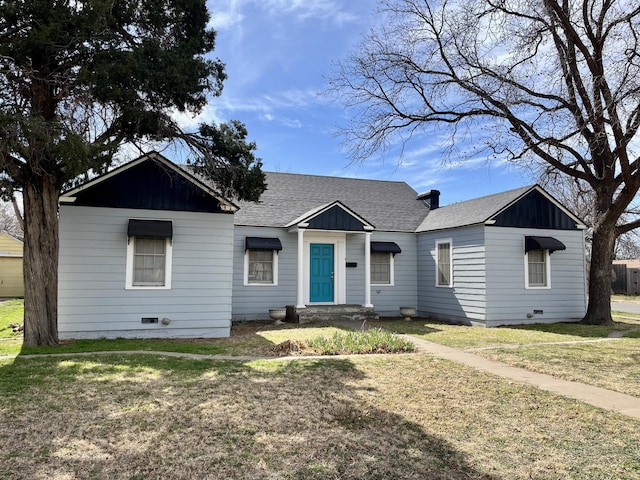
(596, 396)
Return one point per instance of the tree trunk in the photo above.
(600, 277)
(40, 196)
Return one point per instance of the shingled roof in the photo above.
(389, 206)
(471, 212)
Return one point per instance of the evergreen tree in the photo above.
(80, 79)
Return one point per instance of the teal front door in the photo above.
(321, 281)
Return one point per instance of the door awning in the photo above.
(543, 243)
(262, 243)
(150, 228)
(385, 247)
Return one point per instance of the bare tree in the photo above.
(551, 81)
(9, 222)
(577, 195)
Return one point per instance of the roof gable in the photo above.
(535, 210)
(149, 182)
(510, 208)
(334, 216)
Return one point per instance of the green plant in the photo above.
(375, 340)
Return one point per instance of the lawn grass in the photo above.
(250, 338)
(461, 336)
(614, 365)
(472, 338)
(409, 417)
(11, 311)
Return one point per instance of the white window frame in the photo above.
(275, 269)
(547, 264)
(443, 241)
(167, 267)
(391, 272)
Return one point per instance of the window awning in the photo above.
(150, 228)
(543, 243)
(385, 247)
(262, 243)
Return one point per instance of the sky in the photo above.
(279, 55)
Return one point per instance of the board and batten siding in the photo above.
(93, 301)
(252, 302)
(11, 276)
(386, 299)
(509, 302)
(466, 300)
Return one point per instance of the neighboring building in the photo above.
(11, 276)
(514, 257)
(626, 277)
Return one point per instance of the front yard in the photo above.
(581, 353)
(375, 417)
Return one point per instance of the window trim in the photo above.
(391, 272)
(274, 257)
(547, 264)
(439, 242)
(167, 266)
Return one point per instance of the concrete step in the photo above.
(315, 313)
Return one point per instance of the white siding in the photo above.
(466, 300)
(509, 302)
(93, 302)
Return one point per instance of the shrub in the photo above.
(374, 340)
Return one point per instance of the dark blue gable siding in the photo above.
(535, 210)
(148, 185)
(336, 218)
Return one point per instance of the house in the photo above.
(145, 251)
(152, 250)
(11, 276)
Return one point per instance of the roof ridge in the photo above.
(504, 192)
(338, 178)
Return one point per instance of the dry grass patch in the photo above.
(463, 336)
(247, 339)
(614, 365)
(410, 417)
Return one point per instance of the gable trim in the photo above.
(225, 204)
(303, 220)
(579, 223)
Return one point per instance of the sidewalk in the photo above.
(596, 396)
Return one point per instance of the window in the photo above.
(149, 259)
(537, 269)
(382, 269)
(261, 260)
(261, 267)
(381, 262)
(444, 270)
(149, 263)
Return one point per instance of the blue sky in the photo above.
(278, 56)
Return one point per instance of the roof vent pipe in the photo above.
(430, 198)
